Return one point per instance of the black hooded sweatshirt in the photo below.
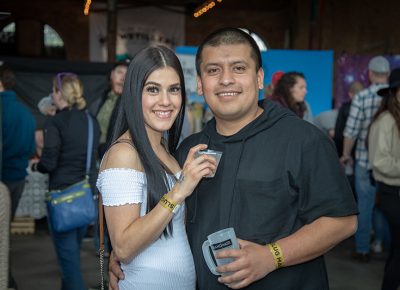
(276, 175)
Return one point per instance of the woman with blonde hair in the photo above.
(64, 158)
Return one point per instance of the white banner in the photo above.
(136, 28)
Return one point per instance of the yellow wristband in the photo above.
(169, 204)
(277, 254)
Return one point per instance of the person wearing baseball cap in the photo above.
(384, 156)
(363, 108)
(379, 64)
(276, 76)
(269, 89)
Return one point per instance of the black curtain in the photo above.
(34, 79)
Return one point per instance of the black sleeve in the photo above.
(51, 148)
(339, 128)
(179, 155)
(324, 189)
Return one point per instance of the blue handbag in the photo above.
(73, 207)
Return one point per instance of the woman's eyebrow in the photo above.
(152, 83)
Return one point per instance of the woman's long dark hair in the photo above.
(390, 104)
(283, 95)
(130, 117)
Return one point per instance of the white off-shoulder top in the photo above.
(167, 263)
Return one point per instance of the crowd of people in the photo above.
(288, 203)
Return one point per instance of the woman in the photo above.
(138, 176)
(64, 158)
(384, 156)
(290, 92)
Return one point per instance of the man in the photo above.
(363, 108)
(279, 180)
(18, 129)
(340, 125)
(103, 108)
(18, 125)
(343, 114)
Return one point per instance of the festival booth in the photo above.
(34, 81)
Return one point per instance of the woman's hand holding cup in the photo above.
(194, 169)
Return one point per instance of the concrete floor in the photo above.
(35, 267)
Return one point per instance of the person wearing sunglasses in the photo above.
(64, 158)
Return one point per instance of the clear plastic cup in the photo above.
(213, 153)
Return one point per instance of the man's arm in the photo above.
(348, 144)
(352, 128)
(253, 261)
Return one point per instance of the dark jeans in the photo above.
(390, 206)
(67, 246)
(16, 189)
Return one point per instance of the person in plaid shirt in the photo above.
(362, 110)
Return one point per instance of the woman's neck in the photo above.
(155, 141)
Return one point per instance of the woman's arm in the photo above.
(381, 141)
(129, 232)
(51, 149)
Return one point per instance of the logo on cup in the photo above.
(221, 245)
(221, 240)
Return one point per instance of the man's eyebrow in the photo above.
(211, 64)
(231, 63)
(239, 62)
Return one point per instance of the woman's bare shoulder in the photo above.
(121, 155)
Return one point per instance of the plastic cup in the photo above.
(213, 153)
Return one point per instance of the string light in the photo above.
(87, 7)
(205, 7)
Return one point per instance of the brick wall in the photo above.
(66, 17)
(353, 26)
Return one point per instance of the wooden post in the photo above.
(111, 30)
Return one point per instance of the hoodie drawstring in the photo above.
(195, 193)
(235, 177)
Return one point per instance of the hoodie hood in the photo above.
(271, 115)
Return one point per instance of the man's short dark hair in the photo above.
(7, 77)
(227, 36)
(124, 63)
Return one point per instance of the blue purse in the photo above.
(73, 207)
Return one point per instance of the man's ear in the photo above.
(260, 78)
(1, 87)
(199, 86)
